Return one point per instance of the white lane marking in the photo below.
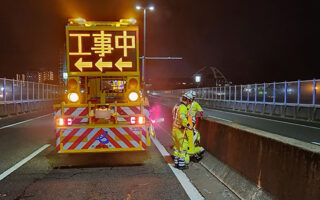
(22, 162)
(191, 191)
(219, 118)
(317, 143)
(266, 119)
(160, 147)
(7, 126)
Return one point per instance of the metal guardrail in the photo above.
(295, 93)
(14, 91)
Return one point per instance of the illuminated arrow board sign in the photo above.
(102, 51)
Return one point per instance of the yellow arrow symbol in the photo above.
(100, 64)
(80, 65)
(119, 64)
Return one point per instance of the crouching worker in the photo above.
(195, 112)
(179, 127)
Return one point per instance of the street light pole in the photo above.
(144, 57)
(144, 36)
(144, 41)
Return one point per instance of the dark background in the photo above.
(249, 41)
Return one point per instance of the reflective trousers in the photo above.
(180, 147)
(192, 141)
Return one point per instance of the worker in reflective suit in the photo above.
(195, 112)
(179, 128)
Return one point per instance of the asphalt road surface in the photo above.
(30, 168)
(306, 132)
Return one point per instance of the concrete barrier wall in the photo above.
(25, 107)
(286, 168)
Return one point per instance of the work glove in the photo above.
(189, 126)
(199, 115)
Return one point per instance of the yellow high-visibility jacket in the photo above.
(180, 116)
(193, 108)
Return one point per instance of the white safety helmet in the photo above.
(188, 95)
(194, 94)
(185, 97)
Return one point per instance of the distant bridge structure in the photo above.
(211, 76)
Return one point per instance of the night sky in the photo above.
(249, 41)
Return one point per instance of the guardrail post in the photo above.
(235, 93)
(220, 93)
(47, 92)
(4, 91)
(13, 91)
(314, 92)
(27, 90)
(230, 92)
(241, 93)
(285, 92)
(32, 91)
(225, 92)
(50, 92)
(38, 91)
(248, 97)
(264, 92)
(21, 98)
(274, 93)
(216, 93)
(43, 92)
(255, 92)
(298, 95)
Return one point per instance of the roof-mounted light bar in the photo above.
(81, 21)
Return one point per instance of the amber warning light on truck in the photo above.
(102, 50)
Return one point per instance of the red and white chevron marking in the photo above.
(87, 138)
(83, 111)
(132, 110)
(74, 111)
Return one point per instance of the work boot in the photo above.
(197, 157)
(183, 167)
(201, 152)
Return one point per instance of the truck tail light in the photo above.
(63, 121)
(60, 122)
(137, 120)
(141, 120)
(69, 121)
(133, 120)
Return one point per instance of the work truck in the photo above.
(104, 109)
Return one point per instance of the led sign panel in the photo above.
(102, 50)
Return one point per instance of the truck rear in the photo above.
(104, 108)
